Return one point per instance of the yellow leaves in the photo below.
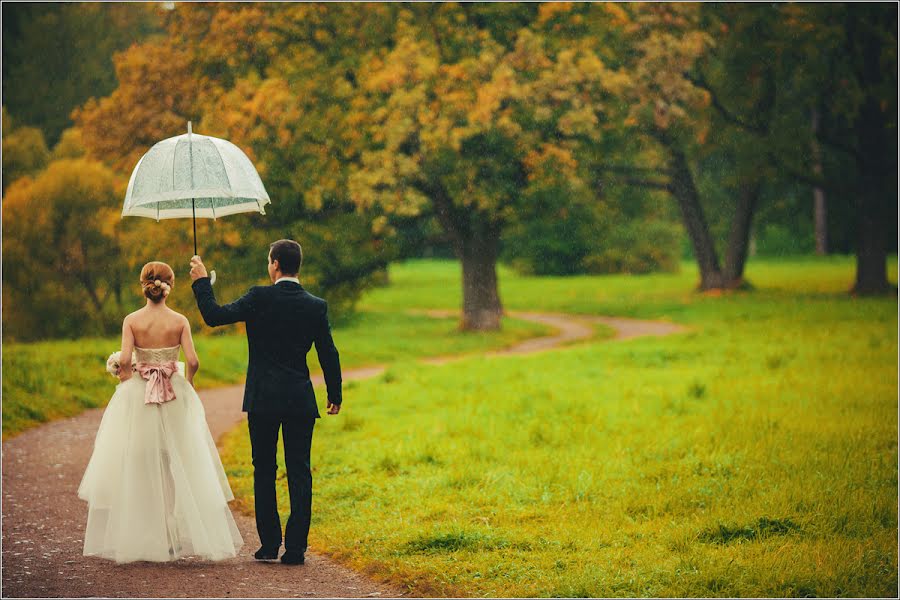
(490, 96)
(255, 112)
(617, 14)
(579, 121)
(408, 63)
(618, 82)
(548, 161)
(550, 10)
(422, 111)
(156, 93)
(380, 225)
(529, 54)
(232, 238)
(455, 72)
(70, 208)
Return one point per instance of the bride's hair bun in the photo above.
(157, 279)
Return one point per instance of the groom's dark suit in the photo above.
(283, 321)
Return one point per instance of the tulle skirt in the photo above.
(155, 486)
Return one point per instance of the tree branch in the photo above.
(443, 211)
(726, 114)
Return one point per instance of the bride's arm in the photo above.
(125, 366)
(190, 354)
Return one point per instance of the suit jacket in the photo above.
(283, 321)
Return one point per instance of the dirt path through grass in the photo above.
(44, 521)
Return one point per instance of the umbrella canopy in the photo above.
(194, 175)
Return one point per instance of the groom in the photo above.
(283, 321)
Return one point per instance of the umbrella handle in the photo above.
(194, 211)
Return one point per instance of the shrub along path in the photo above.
(44, 521)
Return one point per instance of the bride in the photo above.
(154, 485)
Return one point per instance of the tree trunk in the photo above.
(871, 256)
(739, 238)
(481, 296)
(685, 192)
(819, 208)
(476, 244)
(88, 285)
(821, 215)
(877, 174)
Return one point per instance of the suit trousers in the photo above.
(297, 437)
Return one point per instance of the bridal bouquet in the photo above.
(112, 364)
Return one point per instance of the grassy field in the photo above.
(755, 455)
(51, 380)
(435, 284)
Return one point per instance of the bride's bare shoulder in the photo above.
(130, 317)
(180, 318)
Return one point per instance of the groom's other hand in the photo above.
(198, 269)
(333, 409)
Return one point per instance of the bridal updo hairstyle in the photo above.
(289, 255)
(157, 279)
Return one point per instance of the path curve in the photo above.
(43, 519)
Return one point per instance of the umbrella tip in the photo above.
(189, 128)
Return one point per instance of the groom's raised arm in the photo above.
(215, 315)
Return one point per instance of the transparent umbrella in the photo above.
(193, 175)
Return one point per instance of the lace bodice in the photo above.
(156, 355)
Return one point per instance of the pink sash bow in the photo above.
(159, 384)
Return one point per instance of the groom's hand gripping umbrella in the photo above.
(194, 176)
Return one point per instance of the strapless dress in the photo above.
(155, 486)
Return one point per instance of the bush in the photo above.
(553, 245)
(637, 247)
(24, 153)
(776, 239)
(579, 239)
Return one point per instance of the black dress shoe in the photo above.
(292, 558)
(265, 554)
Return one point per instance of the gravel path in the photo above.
(43, 519)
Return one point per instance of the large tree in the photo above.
(459, 117)
(870, 54)
(774, 68)
(275, 79)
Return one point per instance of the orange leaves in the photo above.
(550, 10)
(155, 98)
(467, 120)
(618, 16)
(232, 238)
(550, 161)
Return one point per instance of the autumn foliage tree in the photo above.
(60, 268)
(459, 121)
(271, 79)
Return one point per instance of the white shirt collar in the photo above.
(294, 279)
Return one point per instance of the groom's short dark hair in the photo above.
(289, 255)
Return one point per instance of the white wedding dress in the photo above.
(155, 486)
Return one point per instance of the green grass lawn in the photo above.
(49, 380)
(755, 455)
(437, 284)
